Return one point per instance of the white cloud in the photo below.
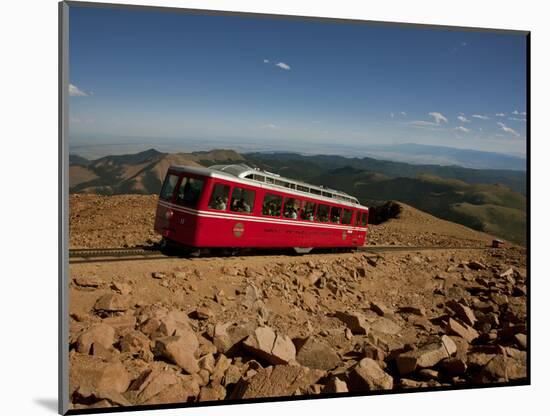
(438, 117)
(392, 115)
(480, 116)
(516, 119)
(463, 44)
(271, 126)
(507, 129)
(404, 114)
(74, 91)
(518, 113)
(422, 123)
(463, 119)
(284, 66)
(462, 129)
(266, 61)
(500, 114)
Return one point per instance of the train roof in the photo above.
(266, 179)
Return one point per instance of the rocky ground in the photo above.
(191, 330)
(111, 221)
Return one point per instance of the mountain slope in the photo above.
(140, 173)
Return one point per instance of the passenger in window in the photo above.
(310, 216)
(244, 206)
(220, 204)
(293, 214)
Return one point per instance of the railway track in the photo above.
(154, 252)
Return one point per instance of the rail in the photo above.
(154, 252)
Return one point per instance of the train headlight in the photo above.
(169, 214)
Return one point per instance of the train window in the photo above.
(308, 213)
(168, 187)
(357, 218)
(219, 197)
(335, 214)
(242, 200)
(292, 208)
(189, 191)
(302, 188)
(322, 213)
(364, 219)
(346, 219)
(272, 205)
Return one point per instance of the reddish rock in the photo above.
(380, 308)
(427, 356)
(96, 374)
(157, 385)
(99, 398)
(385, 326)
(277, 381)
(415, 310)
(463, 312)
(317, 354)
(355, 321)
(456, 328)
(228, 337)
(335, 385)
(453, 366)
(476, 265)
(112, 302)
(367, 375)
(270, 346)
(176, 350)
(137, 344)
(203, 313)
(100, 334)
(521, 341)
(87, 281)
(212, 393)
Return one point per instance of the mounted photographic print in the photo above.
(264, 208)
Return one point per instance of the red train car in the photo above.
(236, 206)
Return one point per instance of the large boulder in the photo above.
(317, 354)
(227, 338)
(367, 375)
(355, 321)
(271, 346)
(158, 385)
(179, 351)
(277, 381)
(101, 334)
(425, 357)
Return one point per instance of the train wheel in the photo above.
(302, 250)
(195, 252)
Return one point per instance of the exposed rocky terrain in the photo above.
(189, 330)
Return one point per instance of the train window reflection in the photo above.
(189, 191)
(168, 187)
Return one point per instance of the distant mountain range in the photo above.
(488, 200)
(440, 155)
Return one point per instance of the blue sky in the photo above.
(157, 75)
